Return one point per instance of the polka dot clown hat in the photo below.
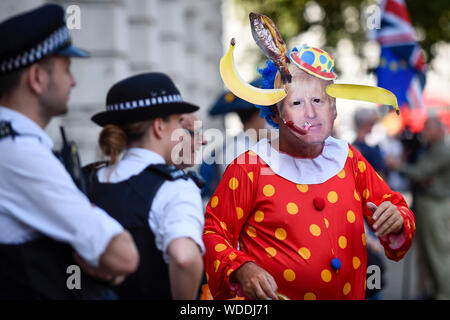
(315, 61)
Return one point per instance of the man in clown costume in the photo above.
(287, 219)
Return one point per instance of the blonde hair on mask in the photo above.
(293, 69)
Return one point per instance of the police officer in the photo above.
(44, 218)
(158, 203)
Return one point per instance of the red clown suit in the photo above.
(293, 217)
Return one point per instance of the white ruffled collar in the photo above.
(305, 171)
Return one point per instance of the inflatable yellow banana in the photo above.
(363, 93)
(240, 88)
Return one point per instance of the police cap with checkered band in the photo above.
(142, 97)
(31, 36)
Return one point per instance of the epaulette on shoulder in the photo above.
(198, 179)
(168, 171)
(95, 166)
(6, 130)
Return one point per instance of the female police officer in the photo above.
(144, 191)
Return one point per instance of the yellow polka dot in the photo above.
(223, 225)
(233, 183)
(292, 208)
(250, 176)
(342, 242)
(280, 234)
(355, 194)
(207, 276)
(351, 216)
(387, 196)
(327, 224)
(259, 216)
(332, 196)
(326, 275)
(366, 194)
(216, 265)
(289, 274)
(315, 230)
(229, 272)
(309, 296)
(302, 187)
(361, 166)
(226, 241)
(220, 247)
(214, 201)
(251, 231)
(271, 252)
(252, 153)
(208, 232)
(341, 174)
(239, 212)
(350, 153)
(268, 190)
(379, 177)
(356, 262)
(363, 239)
(304, 253)
(232, 256)
(347, 288)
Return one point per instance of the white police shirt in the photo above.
(176, 210)
(38, 196)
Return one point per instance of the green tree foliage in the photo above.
(345, 19)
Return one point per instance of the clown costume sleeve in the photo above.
(226, 213)
(370, 187)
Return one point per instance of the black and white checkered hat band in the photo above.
(144, 102)
(52, 42)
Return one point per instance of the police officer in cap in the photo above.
(46, 223)
(159, 204)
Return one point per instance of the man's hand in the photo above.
(98, 272)
(256, 283)
(119, 259)
(387, 218)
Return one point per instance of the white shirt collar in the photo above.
(133, 162)
(305, 171)
(24, 125)
(143, 155)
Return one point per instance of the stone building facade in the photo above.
(125, 37)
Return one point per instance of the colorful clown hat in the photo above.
(315, 61)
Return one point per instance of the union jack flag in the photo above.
(402, 64)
